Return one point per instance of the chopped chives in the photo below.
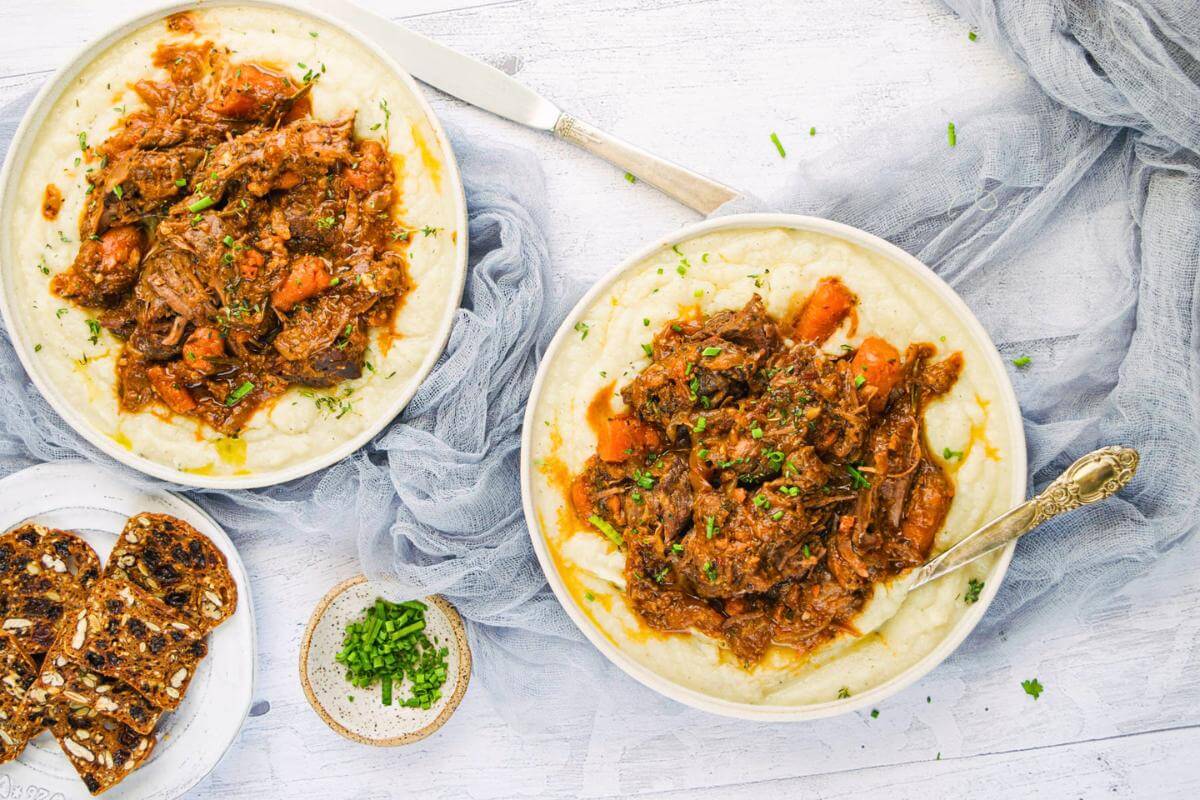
(778, 144)
(201, 204)
(237, 394)
(389, 645)
(612, 533)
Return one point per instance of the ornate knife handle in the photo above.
(692, 189)
(1095, 476)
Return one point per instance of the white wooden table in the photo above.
(706, 82)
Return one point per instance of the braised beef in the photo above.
(234, 243)
(760, 484)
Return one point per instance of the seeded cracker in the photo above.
(64, 681)
(18, 673)
(125, 633)
(177, 564)
(43, 573)
(103, 751)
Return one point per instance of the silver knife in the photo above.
(488, 88)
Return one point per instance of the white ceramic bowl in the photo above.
(1005, 404)
(66, 402)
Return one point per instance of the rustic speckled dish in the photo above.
(365, 719)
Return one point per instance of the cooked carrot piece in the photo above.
(201, 347)
(307, 277)
(119, 248)
(167, 386)
(579, 497)
(823, 313)
(879, 365)
(250, 92)
(370, 171)
(928, 504)
(621, 437)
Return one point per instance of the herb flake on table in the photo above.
(1033, 688)
(1022, 361)
(389, 646)
(974, 587)
(778, 144)
(629, 176)
(951, 134)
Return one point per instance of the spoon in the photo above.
(1095, 476)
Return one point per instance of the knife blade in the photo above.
(486, 87)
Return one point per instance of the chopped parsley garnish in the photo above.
(181, 182)
(582, 329)
(807, 552)
(701, 424)
(83, 140)
(755, 430)
(709, 527)
(974, 587)
(951, 135)
(874, 713)
(778, 144)
(948, 454)
(643, 479)
(676, 548)
(589, 596)
(240, 392)
(972, 35)
(325, 223)
(118, 191)
(646, 322)
(612, 533)
(648, 350)
(812, 131)
(94, 330)
(1023, 361)
(859, 380)
(843, 693)
(710, 570)
(710, 352)
(860, 481)
(1033, 688)
(629, 176)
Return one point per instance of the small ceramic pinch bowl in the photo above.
(364, 719)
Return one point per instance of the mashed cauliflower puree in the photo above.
(722, 270)
(79, 360)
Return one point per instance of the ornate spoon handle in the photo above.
(1095, 476)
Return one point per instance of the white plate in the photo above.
(67, 400)
(1006, 404)
(83, 498)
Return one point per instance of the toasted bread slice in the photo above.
(43, 574)
(17, 673)
(102, 750)
(125, 633)
(177, 564)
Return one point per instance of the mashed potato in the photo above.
(721, 270)
(79, 361)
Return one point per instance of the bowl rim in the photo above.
(34, 119)
(775, 712)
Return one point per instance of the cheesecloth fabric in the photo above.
(1068, 217)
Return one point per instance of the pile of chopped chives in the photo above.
(389, 645)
